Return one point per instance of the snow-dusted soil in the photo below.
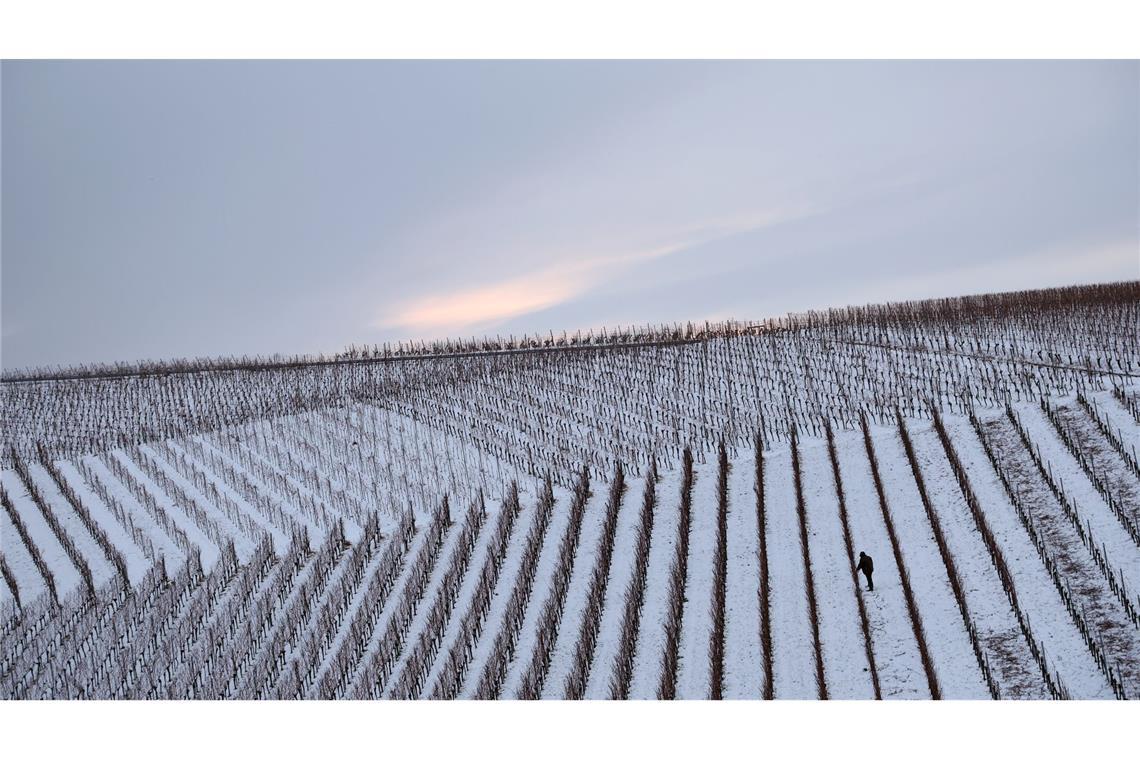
(650, 647)
(693, 667)
(69, 520)
(897, 657)
(30, 584)
(245, 674)
(846, 669)
(1119, 421)
(1105, 528)
(622, 569)
(464, 598)
(543, 588)
(510, 579)
(1109, 465)
(1085, 580)
(260, 562)
(1003, 643)
(193, 530)
(955, 665)
(67, 577)
(794, 664)
(1048, 618)
(385, 644)
(163, 544)
(230, 637)
(254, 496)
(586, 559)
(744, 660)
(135, 557)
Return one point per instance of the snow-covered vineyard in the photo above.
(653, 513)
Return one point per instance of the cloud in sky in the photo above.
(487, 305)
(159, 209)
(468, 310)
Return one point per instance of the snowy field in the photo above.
(670, 518)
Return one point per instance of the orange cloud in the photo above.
(487, 305)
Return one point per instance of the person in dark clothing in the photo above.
(866, 566)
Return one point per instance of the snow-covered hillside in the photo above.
(657, 514)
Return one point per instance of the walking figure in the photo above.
(866, 566)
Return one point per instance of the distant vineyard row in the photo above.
(983, 307)
(674, 517)
(831, 367)
(155, 574)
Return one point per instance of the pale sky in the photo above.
(165, 209)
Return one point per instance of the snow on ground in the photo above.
(304, 486)
(743, 659)
(543, 587)
(239, 520)
(1119, 417)
(325, 657)
(399, 587)
(164, 544)
(846, 669)
(1064, 648)
(413, 466)
(196, 648)
(1080, 573)
(209, 550)
(693, 666)
(193, 615)
(1106, 531)
(246, 680)
(1109, 466)
(431, 591)
(137, 562)
(901, 675)
(1002, 642)
(413, 461)
(219, 659)
(29, 580)
(284, 440)
(655, 607)
(464, 595)
(400, 451)
(316, 532)
(562, 656)
(102, 571)
(7, 602)
(67, 578)
(509, 578)
(793, 666)
(955, 664)
(306, 653)
(622, 566)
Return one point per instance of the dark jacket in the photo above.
(866, 565)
